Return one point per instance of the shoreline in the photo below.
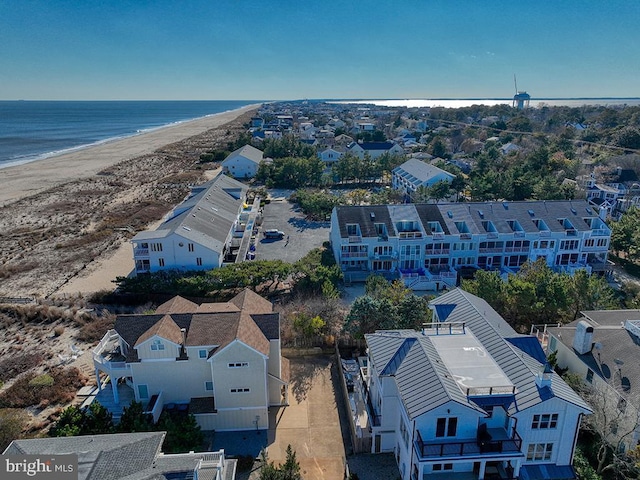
(40, 174)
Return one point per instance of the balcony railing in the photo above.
(437, 251)
(480, 446)
(437, 235)
(409, 235)
(601, 232)
(516, 249)
(355, 254)
(518, 234)
(355, 239)
(141, 252)
(465, 236)
(490, 250)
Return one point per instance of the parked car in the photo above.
(273, 233)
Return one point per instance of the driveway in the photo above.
(310, 424)
(302, 235)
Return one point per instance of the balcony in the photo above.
(465, 236)
(437, 235)
(141, 252)
(516, 249)
(409, 235)
(601, 232)
(354, 254)
(490, 442)
(518, 234)
(571, 232)
(490, 250)
(355, 238)
(107, 356)
(492, 235)
(437, 251)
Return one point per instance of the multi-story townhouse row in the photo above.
(468, 397)
(427, 244)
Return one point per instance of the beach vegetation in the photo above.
(13, 422)
(56, 386)
(538, 295)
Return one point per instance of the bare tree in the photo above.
(614, 423)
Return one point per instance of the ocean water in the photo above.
(30, 130)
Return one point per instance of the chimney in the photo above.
(583, 340)
(543, 379)
(183, 331)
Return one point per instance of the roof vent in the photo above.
(449, 214)
(505, 205)
(532, 213)
(372, 215)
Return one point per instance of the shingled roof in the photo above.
(247, 317)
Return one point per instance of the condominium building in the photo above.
(428, 244)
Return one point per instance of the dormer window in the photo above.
(157, 345)
(352, 229)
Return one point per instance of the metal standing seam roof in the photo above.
(205, 218)
(491, 329)
(419, 172)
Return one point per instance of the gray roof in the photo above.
(418, 172)
(120, 456)
(614, 343)
(476, 216)
(206, 217)
(100, 457)
(249, 152)
(492, 332)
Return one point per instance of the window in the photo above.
(156, 247)
(157, 345)
(437, 467)
(446, 426)
(602, 242)
(190, 247)
(569, 244)
(404, 433)
(546, 420)
(240, 390)
(589, 375)
(199, 261)
(202, 353)
(589, 242)
(539, 451)
(208, 386)
(352, 229)
(161, 262)
(143, 391)
(238, 365)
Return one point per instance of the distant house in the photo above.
(330, 155)
(415, 173)
(222, 361)
(126, 455)
(374, 149)
(257, 122)
(508, 148)
(470, 398)
(243, 162)
(199, 232)
(343, 140)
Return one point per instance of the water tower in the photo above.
(521, 99)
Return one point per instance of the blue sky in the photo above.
(293, 49)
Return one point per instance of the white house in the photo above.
(374, 149)
(221, 360)
(426, 245)
(602, 347)
(243, 162)
(468, 397)
(415, 173)
(330, 155)
(122, 455)
(199, 232)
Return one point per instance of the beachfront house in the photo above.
(219, 361)
(427, 245)
(201, 232)
(243, 162)
(414, 173)
(469, 397)
(122, 455)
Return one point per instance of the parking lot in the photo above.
(300, 235)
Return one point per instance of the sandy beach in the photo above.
(30, 178)
(66, 221)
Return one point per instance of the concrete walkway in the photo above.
(310, 424)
